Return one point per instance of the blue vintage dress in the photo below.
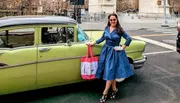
(113, 64)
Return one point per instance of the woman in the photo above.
(178, 35)
(113, 62)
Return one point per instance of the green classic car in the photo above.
(45, 51)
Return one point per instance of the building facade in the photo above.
(151, 6)
(101, 6)
(122, 5)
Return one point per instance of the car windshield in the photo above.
(82, 36)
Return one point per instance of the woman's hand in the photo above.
(124, 46)
(91, 43)
(117, 48)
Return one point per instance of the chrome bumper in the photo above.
(139, 63)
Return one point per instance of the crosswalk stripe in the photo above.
(151, 35)
(155, 42)
(161, 52)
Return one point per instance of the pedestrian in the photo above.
(113, 62)
(178, 35)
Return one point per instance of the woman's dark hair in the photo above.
(118, 26)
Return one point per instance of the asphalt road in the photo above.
(157, 82)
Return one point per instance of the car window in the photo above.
(54, 35)
(17, 38)
(2, 39)
(82, 36)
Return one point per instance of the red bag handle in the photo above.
(89, 51)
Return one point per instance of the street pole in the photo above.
(165, 24)
(76, 9)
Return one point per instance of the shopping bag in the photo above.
(89, 65)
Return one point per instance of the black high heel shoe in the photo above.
(114, 94)
(104, 98)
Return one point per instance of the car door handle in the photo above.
(1, 53)
(44, 49)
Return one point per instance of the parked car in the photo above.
(178, 36)
(44, 51)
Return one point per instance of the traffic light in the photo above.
(77, 2)
(79, 15)
(80, 2)
(79, 12)
(159, 2)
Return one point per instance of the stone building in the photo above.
(100, 6)
(123, 5)
(151, 6)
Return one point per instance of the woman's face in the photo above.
(113, 21)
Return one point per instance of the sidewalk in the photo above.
(132, 22)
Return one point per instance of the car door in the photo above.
(18, 57)
(57, 61)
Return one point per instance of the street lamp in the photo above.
(165, 23)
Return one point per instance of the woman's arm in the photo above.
(99, 40)
(128, 40)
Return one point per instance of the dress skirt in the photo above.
(113, 64)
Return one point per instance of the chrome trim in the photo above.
(8, 66)
(17, 48)
(141, 60)
(44, 49)
(42, 61)
(134, 51)
(5, 48)
(59, 59)
(61, 44)
(139, 63)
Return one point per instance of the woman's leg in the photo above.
(114, 85)
(114, 90)
(104, 96)
(108, 85)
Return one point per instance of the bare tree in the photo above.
(3, 4)
(174, 6)
(123, 5)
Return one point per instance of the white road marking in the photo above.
(162, 52)
(155, 42)
(164, 70)
(167, 32)
(150, 35)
